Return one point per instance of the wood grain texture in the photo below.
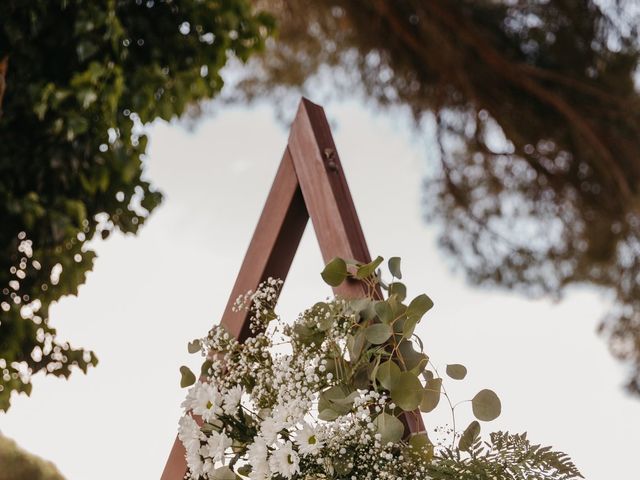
(325, 191)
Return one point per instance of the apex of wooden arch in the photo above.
(310, 183)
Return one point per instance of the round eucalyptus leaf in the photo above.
(486, 405)
(187, 378)
(469, 436)
(384, 311)
(388, 374)
(431, 395)
(394, 267)
(389, 427)
(335, 272)
(407, 391)
(456, 371)
(398, 289)
(378, 333)
(328, 415)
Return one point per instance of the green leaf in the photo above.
(204, 369)
(194, 347)
(378, 333)
(335, 401)
(419, 306)
(187, 377)
(335, 272)
(388, 374)
(384, 311)
(368, 269)
(413, 360)
(486, 405)
(407, 391)
(399, 290)
(342, 466)
(223, 473)
(419, 440)
(456, 371)
(431, 395)
(389, 427)
(355, 344)
(469, 436)
(421, 446)
(245, 470)
(328, 415)
(394, 267)
(409, 326)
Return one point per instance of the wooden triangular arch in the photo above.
(310, 182)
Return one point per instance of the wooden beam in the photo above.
(274, 243)
(310, 183)
(270, 253)
(325, 191)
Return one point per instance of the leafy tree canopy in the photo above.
(20, 465)
(537, 117)
(78, 78)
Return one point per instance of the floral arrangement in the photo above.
(332, 395)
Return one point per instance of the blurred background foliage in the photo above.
(18, 464)
(78, 81)
(535, 111)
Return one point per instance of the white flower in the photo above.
(270, 428)
(190, 435)
(285, 461)
(205, 400)
(190, 400)
(232, 400)
(308, 441)
(195, 464)
(257, 454)
(215, 447)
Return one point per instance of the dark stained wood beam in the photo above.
(310, 183)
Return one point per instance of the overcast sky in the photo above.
(151, 294)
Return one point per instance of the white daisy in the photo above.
(257, 454)
(195, 464)
(216, 446)
(189, 434)
(308, 441)
(270, 428)
(232, 400)
(206, 401)
(285, 461)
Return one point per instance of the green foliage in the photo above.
(486, 405)
(456, 371)
(83, 78)
(20, 465)
(382, 344)
(354, 393)
(504, 457)
(187, 377)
